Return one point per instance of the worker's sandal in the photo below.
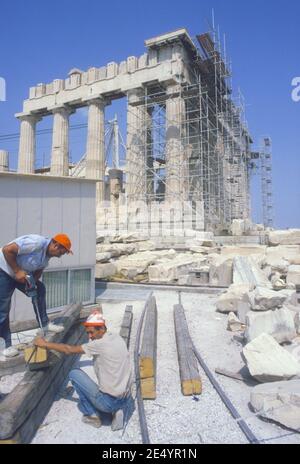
(94, 421)
(118, 420)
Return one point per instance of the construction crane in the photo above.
(267, 181)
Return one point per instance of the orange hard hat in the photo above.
(64, 240)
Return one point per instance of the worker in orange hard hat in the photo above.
(64, 241)
(112, 392)
(29, 254)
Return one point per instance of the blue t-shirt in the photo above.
(31, 255)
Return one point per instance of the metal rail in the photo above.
(140, 403)
(241, 423)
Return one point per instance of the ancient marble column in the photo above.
(60, 142)
(176, 158)
(4, 160)
(95, 150)
(26, 161)
(136, 157)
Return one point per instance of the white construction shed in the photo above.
(48, 205)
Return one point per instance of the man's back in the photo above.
(111, 363)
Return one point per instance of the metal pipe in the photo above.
(241, 423)
(140, 403)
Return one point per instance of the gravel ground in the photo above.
(172, 418)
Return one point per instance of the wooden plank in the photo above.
(27, 430)
(126, 325)
(18, 405)
(148, 352)
(241, 375)
(148, 388)
(13, 365)
(188, 367)
(66, 318)
(31, 324)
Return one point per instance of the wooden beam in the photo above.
(66, 318)
(28, 428)
(125, 330)
(241, 375)
(31, 390)
(31, 324)
(147, 361)
(13, 365)
(188, 367)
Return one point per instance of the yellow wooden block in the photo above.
(147, 368)
(15, 440)
(148, 389)
(35, 354)
(191, 387)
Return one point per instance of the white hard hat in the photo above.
(95, 319)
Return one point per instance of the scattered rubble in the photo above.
(103, 271)
(275, 267)
(234, 324)
(290, 253)
(277, 282)
(246, 270)
(293, 275)
(171, 271)
(279, 402)
(284, 237)
(232, 300)
(220, 273)
(279, 323)
(264, 299)
(267, 361)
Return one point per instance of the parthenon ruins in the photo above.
(187, 139)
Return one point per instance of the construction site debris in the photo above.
(231, 300)
(264, 299)
(293, 276)
(220, 272)
(279, 323)
(247, 271)
(234, 324)
(284, 237)
(279, 402)
(267, 361)
(103, 271)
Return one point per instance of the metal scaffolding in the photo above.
(267, 181)
(192, 144)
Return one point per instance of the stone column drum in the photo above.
(176, 159)
(136, 157)
(4, 160)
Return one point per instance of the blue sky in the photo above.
(41, 41)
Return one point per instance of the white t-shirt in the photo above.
(111, 363)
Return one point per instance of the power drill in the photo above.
(35, 357)
(31, 288)
(31, 292)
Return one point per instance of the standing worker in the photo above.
(111, 360)
(29, 254)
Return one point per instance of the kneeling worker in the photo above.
(25, 255)
(112, 368)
